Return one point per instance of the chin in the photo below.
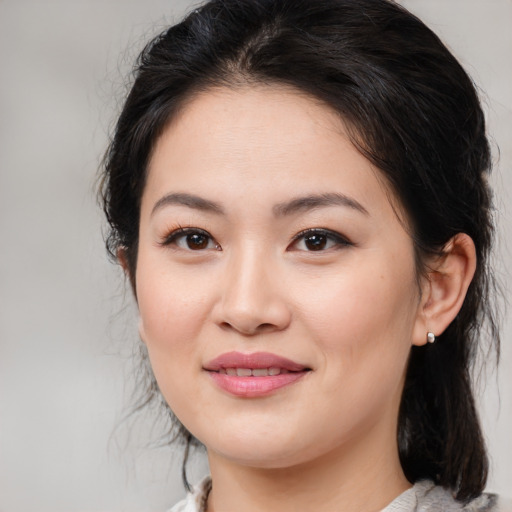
(266, 460)
(262, 451)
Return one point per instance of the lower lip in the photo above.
(251, 387)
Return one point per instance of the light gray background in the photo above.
(66, 331)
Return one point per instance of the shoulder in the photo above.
(504, 504)
(424, 496)
(195, 501)
(434, 498)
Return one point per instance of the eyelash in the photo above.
(174, 236)
(338, 239)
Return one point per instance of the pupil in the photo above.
(196, 241)
(316, 242)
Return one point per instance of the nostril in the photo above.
(266, 327)
(225, 326)
(259, 329)
(250, 317)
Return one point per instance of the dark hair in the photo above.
(410, 109)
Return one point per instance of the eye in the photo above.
(318, 240)
(191, 239)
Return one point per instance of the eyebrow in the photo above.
(299, 204)
(189, 200)
(312, 202)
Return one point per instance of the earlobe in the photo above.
(448, 280)
(142, 333)
(123, 261)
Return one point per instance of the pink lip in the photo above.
(251, 387)
(254, 360)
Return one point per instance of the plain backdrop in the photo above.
(67, 325)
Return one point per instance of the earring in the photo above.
(431, 337)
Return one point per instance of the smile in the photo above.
(253, 372)
(253, 375)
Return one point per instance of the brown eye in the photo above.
(191, 239)
(319, 240)
(197, 241)
(315, 242)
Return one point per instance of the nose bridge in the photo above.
(253, 298)
(249, 269)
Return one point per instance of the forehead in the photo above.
(250, 118)
(260, 142)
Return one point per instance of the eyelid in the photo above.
(340, 239)
(170, 238)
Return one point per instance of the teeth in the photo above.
(260, 372)
(253, 372)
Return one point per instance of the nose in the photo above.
(253, 296)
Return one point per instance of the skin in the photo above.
(349, 311)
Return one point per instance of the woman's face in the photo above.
(276, 285)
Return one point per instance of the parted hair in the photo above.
(409, 107)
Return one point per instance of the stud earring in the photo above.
(431, 337)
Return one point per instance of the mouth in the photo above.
(254, 375)
(253, 372)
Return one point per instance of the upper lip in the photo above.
(254, 361)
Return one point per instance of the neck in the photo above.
(362, 478)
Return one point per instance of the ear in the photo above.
(123, 261)
(445, 286)
(142, 333)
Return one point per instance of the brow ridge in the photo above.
(312, 202)
(299, 204)
(189, 200)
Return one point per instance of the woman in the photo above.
(297, 191)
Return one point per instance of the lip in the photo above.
(256, 360)
(254, 386)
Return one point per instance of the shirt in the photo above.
(423, 496)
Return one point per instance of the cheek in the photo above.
(173, 308)
(171, 317)
(354, 306)
(362, 322)
(170, 300)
